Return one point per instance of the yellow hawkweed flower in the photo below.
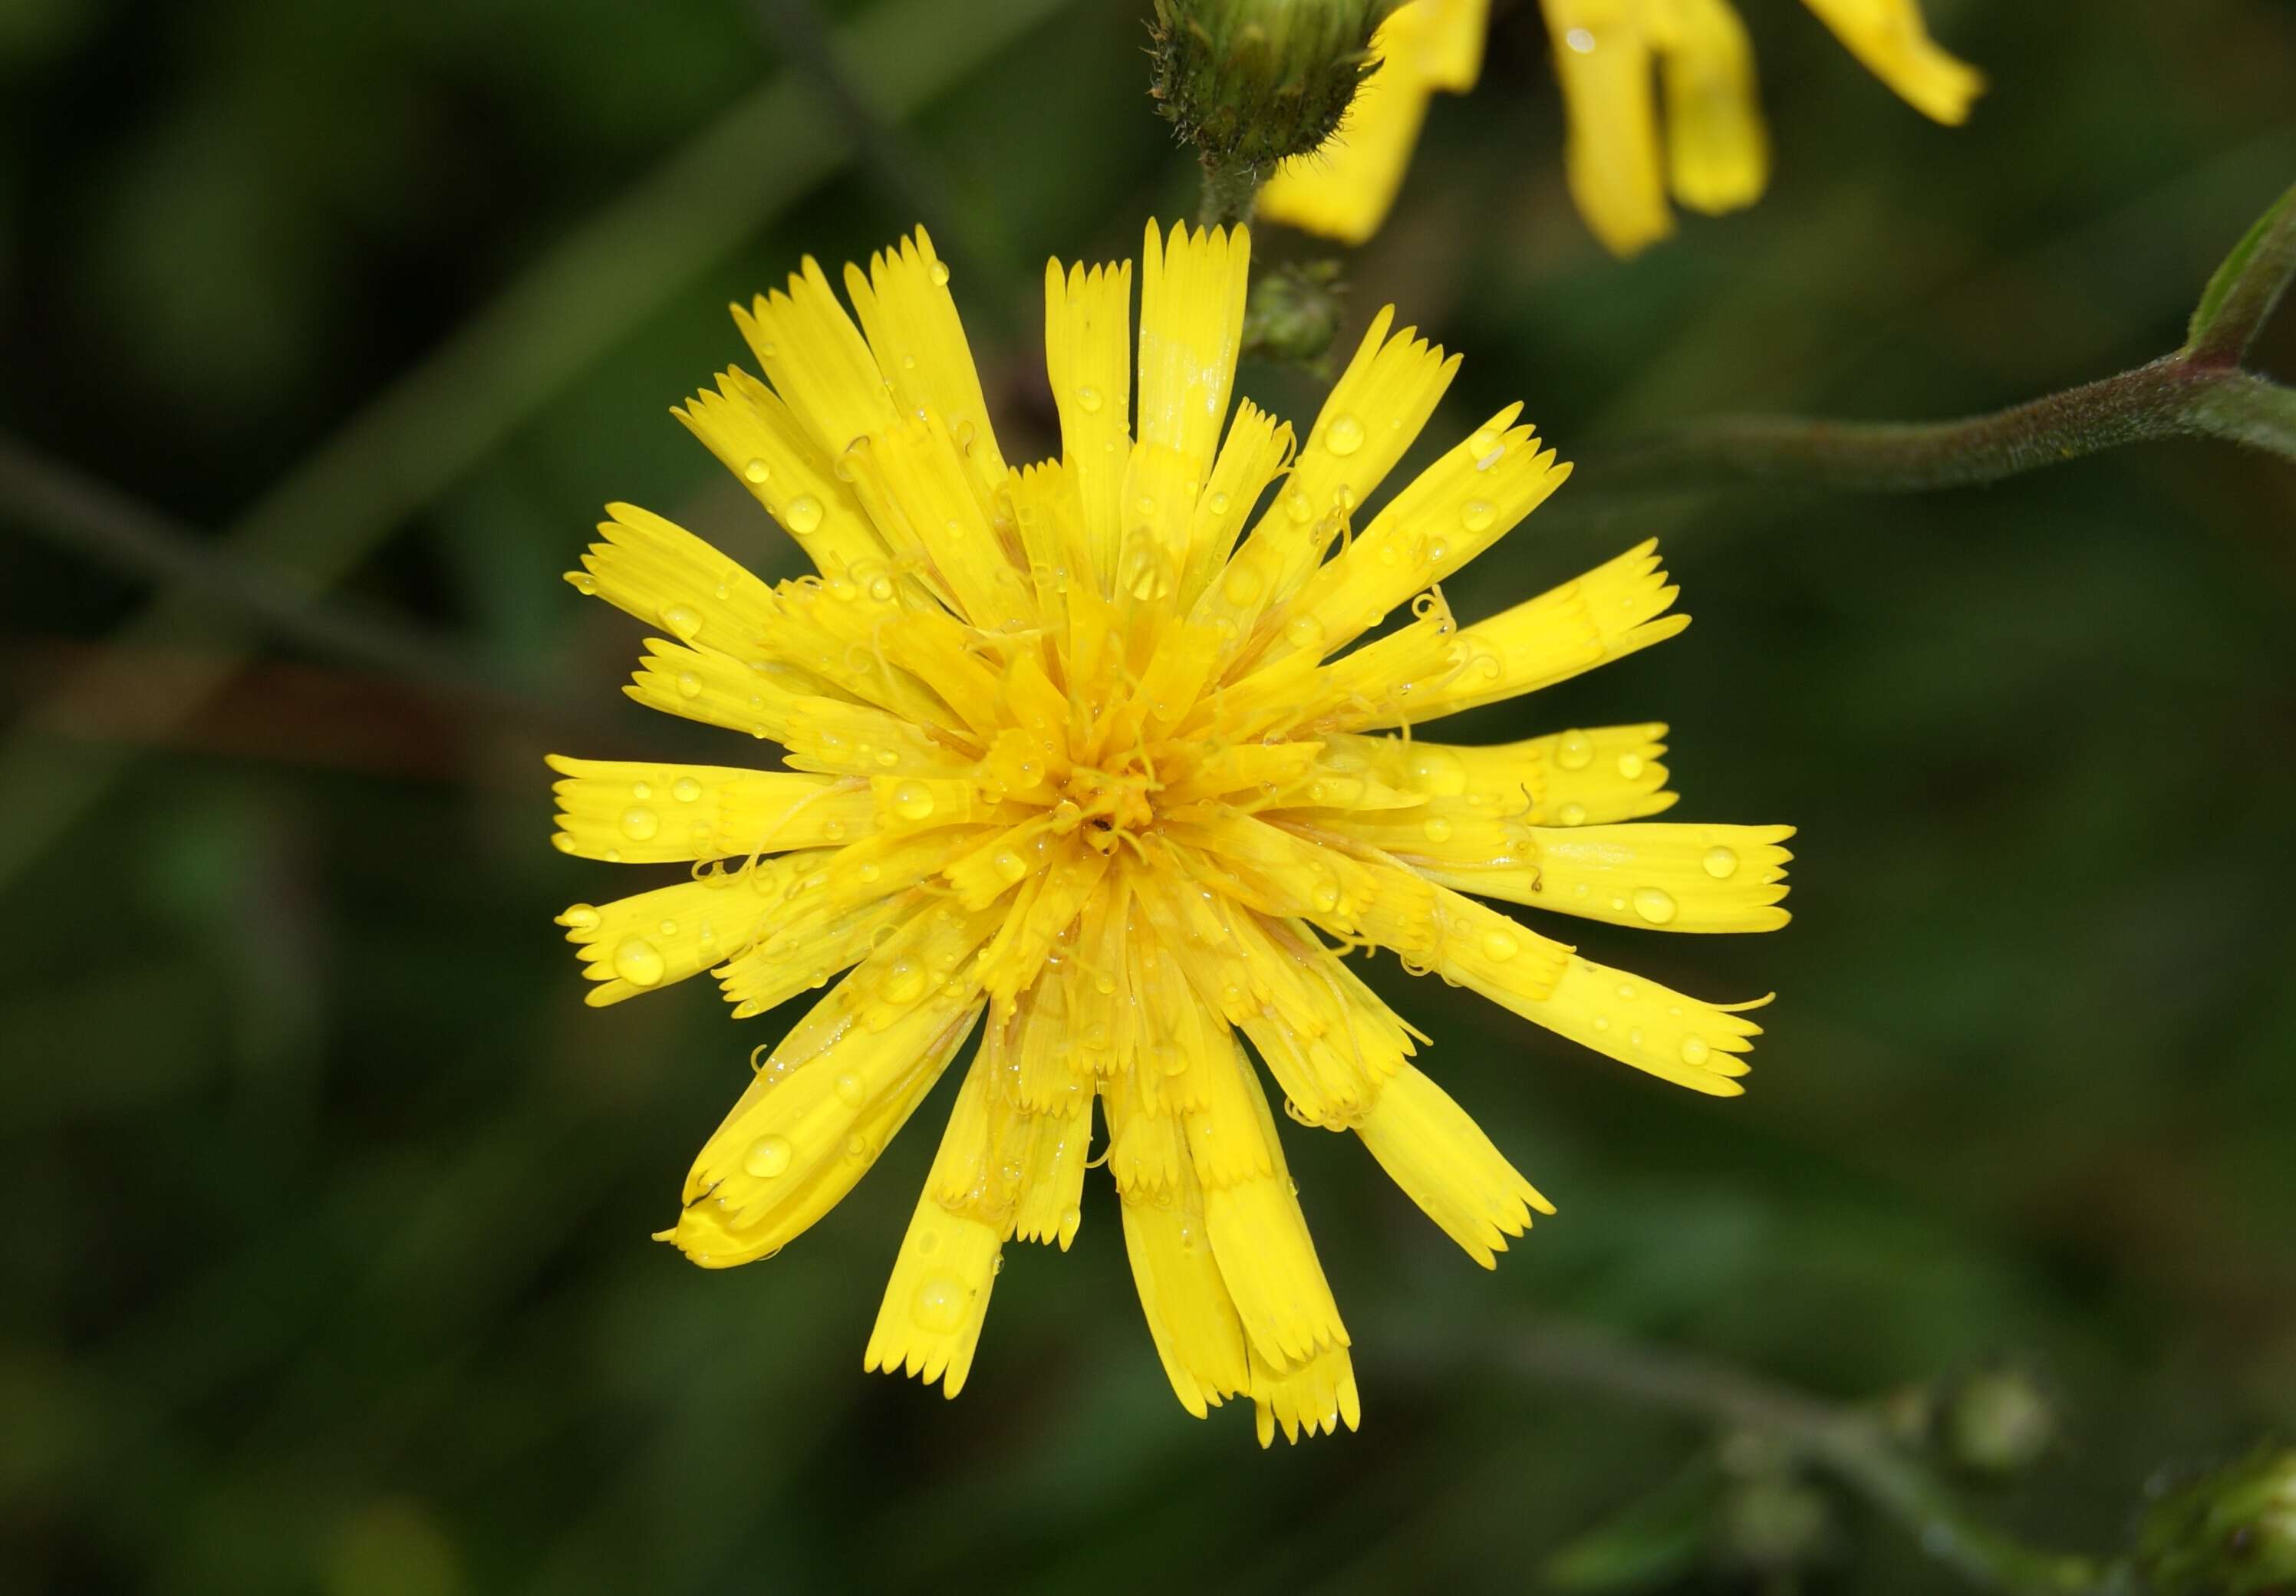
(1090, 747)
(1345, 190)
(1716, 155)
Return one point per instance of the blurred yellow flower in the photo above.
(1345, 190)
(1090, 749)
(1716, 153)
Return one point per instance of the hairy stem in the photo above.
(2174, 396)
(1231, 190)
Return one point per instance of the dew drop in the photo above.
(803, 515)
(1438, 829)
(689, 685)
(939, 274)
(767, 1157)
(639, 962)
(869, 871)
(1571, 815)
(881, 587)
(581, 917)
(1481, 442)
(1630, 765)
(1344, 435)
(1654, 906)
(904, 981)
(912, 800)
(1218, 503)
(939, 1306)
(1500, 946)
(1438, 771)
(1694, 1050)
(1089, 397)
(640, 823)
(683, 621)
(1242, 584)
(758, 471)
(1011, 865)
(1721, 862)
(686, 789)
(1575, 751)
(1477, 515)
(1305, 632)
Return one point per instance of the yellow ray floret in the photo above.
(1660, 96)
(1113, 761)
(1345, 189)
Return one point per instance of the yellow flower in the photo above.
(1345, 190)
(1092, 748)
(1716, 153)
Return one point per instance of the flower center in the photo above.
(1114, 802)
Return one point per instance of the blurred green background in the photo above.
(324, 1201)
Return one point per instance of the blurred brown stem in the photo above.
(2199, 391)
(1844, 1441)
(87, 517)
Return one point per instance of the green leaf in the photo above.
(2277, 225)
(1647, 1542)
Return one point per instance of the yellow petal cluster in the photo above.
(1660, 100)
(1108, 760)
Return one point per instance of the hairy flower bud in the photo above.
(1996, 1421)
(1252, 82)
(2231, 1532)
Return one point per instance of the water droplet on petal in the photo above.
(1721, 862)
(686, 789)
(1477, 515)
(689, 685)
(1344, 435)
(1438, 829)
(1500, 946)
(939, 1305)
(939, 273)
(1694, 1050)
(904, 981)
(581, 917)
(767, 1157)
(851, 1090)
(639, 962)
(1575, 751)
(1089, 397)
(1654, 906)
(803, 515)
(683, 621)
(1305, 632)
(758, 471)
(640, 823)
(1438, 771)
(1571, 815)
(912, 800)
(1630, 765)
(1242, 584)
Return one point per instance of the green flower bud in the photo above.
(2231, 1532)
(1996, 1421)
(1293, 314)
(1252, 82)
(1774, 1524)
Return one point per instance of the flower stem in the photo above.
(2199, 391)
(1844, 1441)
(1231, 190)
(2174, 396)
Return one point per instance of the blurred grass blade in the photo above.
(1649, 1543)
(440, 419)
